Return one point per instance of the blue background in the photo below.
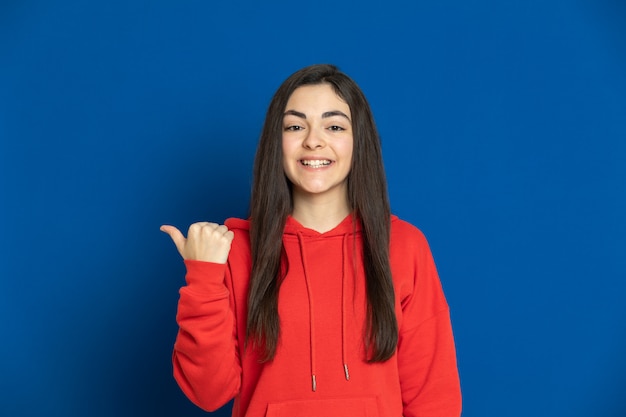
(504, 137)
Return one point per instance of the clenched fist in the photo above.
(208, 242)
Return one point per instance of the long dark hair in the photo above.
(271, 203)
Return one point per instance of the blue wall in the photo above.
(504, 134)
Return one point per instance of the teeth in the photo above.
(316, 163)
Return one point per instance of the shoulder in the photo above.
(409, 251)
(406, 235)
(240, 246)
(413, 269)
(240, 227)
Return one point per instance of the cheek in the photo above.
(348, 151)
(288, 145)
(287, 160)
(287, 151)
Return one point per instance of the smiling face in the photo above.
(317, 143)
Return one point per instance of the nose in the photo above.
(313, 140)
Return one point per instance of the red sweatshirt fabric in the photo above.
(319, 368)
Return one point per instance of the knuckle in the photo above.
(208, 228)
(207, 231)
(195, 226)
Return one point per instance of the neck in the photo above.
(320, 216)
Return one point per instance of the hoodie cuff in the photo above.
(205, 277)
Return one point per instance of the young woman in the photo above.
(321, 303)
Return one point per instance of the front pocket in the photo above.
(336, 407)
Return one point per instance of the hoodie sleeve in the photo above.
(426, 353)
(206, 361)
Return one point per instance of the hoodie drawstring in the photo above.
(343, 307)
(344, 272)
(310, 296)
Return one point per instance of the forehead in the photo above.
(318, 97)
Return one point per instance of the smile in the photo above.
(315, 163)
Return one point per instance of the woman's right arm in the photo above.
(206, 361)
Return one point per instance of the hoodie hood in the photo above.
(293, 227)
(347, 226)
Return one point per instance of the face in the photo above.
(317, 143)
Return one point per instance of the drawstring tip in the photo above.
(345, 369)
(314, 382)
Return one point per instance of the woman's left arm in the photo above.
(427, 363)
(428, 371)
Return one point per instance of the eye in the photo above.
(293, 128)
(336, 128)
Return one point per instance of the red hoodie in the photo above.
(319, 368)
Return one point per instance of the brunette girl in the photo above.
(321, 303)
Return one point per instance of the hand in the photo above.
(208, 242)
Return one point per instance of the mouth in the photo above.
(315, 163)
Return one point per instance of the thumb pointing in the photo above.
(176, 236)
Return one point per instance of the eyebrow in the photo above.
(325, 115)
